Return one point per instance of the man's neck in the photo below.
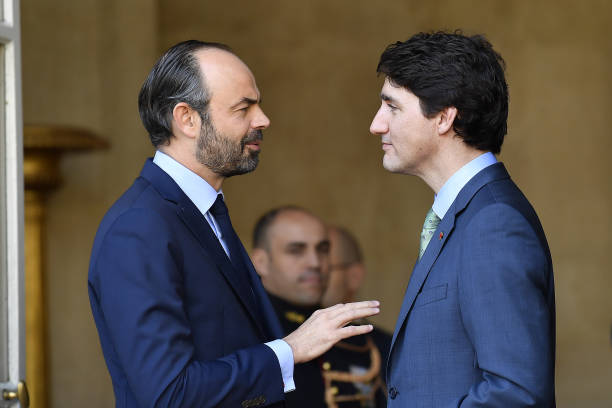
(448, 161)
(188, 160)
(281, 302)
(290, 315)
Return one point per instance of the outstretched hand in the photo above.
(328, 326)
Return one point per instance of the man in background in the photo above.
(347, 272)
(291, 254)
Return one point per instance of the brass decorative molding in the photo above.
(61, 138)
(43, 148)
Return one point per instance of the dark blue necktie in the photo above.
(234, 247)
(219, 211)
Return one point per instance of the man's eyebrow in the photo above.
(387, 98)
(296, 244)
(323, 244)
(248, 101)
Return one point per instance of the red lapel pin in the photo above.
(441, 236)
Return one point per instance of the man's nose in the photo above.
(313, 260)
(260, 121)
(378, 125)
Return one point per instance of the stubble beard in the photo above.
(224, 156)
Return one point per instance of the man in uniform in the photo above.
(291, 254)
(346, 275)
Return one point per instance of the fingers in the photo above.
(328, 326)
(342, 308)
(354, 311)
(364, 303)
(349, 316)
(350, 331)
(342, 314)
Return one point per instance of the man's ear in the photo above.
(446, 118)
(261, 261)
(186, 121)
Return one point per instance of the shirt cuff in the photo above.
(284, 354)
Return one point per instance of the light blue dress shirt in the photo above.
(449, 191)
(203, 195)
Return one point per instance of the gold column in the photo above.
(43, 147)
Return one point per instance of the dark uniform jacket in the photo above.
(349, 375)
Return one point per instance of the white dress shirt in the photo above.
(449, 191)
(203, 195)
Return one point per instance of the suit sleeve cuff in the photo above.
(284, 354)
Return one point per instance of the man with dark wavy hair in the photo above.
(477, 324)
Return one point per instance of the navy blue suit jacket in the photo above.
(178, 328)
(477, 324)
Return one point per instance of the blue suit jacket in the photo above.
(477, 324)
(178, 328)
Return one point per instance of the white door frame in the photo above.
(12, 304)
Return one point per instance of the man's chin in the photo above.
(389, 165)
(251, 163)
(394, 167)
(243, 168)
(309, 301)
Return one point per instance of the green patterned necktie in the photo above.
(429, 227)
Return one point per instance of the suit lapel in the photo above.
(197, 224)
(441, 235)
(270, 320)
(422, 268)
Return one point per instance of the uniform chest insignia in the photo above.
(295, 317)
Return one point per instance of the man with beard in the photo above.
(291, 253)
(182, 317)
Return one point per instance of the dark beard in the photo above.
(223, 156)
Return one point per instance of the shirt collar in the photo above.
(202, 194)
(449, 191)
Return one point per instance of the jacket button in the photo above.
(393, 392)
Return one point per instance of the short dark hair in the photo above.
(450, 69)
(349, 249)
(175, 77)
(263, 224)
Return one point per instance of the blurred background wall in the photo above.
(84, 62)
